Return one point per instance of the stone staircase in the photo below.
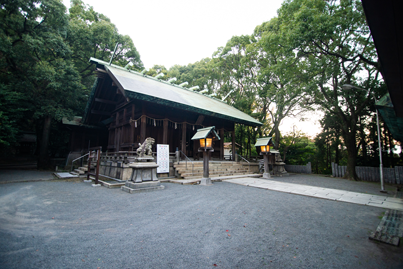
(216, 169)
(83, 170)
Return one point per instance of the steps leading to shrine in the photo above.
(216, 169)
(83, 170)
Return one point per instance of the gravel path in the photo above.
(59, 224)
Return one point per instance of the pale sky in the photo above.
(185, 31)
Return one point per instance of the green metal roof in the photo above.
(142, 87)
(203, 133)
(264, 141)
(394, 123)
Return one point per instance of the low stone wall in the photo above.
(253, 167)
(119, 168)
(115, 169)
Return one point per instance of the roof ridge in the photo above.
(92, 59)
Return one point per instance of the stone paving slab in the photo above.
(323, 193)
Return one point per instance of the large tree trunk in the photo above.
(43, 161)
(276, 138)
(352, 157)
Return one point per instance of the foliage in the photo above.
(91, 34)
(44, 67)
(298, 148)
(334, 41)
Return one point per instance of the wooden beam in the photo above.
(98, 112)
(132, 124)
(221, 143)
(143, 127)
(233, 144)
(99, 100)
(199, 120)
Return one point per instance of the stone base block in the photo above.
(266, 175)
(206, 182)
(96, 185)
(132, 187)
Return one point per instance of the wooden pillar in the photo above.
(183, 146)
(143, 128)
(233, 145)
(132, 125)
(116, 142)
(165, 132)
(221, 133)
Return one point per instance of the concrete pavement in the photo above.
(323, 193)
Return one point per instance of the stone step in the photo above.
(79, 172)
(216, 176)
(83, 168)
(200, 172)
(213, 173)
(201, 164)
(229, 168)
(224, 168)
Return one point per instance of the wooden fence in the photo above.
(304, 169)
(390, 175)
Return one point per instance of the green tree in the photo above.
(35, 63)
(335, 42)
(91, 34)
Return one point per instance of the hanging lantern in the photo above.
(265, 148)
(206, 143)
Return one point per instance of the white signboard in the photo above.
(163, 158)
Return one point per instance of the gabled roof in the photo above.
(138, 86)
(264, 141)
(203, 133)
(385, 21)
(395, 124)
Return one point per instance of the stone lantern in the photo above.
(266, 149)
(206, 136)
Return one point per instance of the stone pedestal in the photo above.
(132, 187)
(266, 175)
(278, 167)
(206, 181)
(144, 176)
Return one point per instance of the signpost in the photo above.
(162, 158)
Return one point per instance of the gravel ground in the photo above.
(58, 224)
(14, 175)
(338, 183)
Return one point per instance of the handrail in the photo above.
(72, 166)
(187, 158)
(244, 159)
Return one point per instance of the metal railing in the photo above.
(186, 161)
(244, 159)
(76, 159)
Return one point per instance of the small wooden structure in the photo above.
(125, 107)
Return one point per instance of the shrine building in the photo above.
(125, 107)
